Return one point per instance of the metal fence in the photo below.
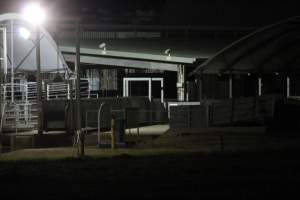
(242, 111)
(19, 91)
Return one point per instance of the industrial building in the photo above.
(143, 73)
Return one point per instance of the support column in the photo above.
(287, 86)
(4, 42)
(259, 86)
(3, 69)
(124, 87)
(12, 59)
(77, 70)
(162, 90)
(79, 132)
(150, 89)
(39, 80)
(180, 82)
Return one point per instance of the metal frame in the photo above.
(3, 64)
(259, 86)
(99, 121)
(149, 80)
(180, 83)
(4, 41)
(12, 58)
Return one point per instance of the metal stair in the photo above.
(20, 115)
(22, 112)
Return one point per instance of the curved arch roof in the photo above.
(24, 53)
(275, 48)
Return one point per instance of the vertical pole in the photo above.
(39, 79)
(259, 86)
(187, 91)
(78, 106)
(1, 80)
(287, 86)
(230, 86)
(150, 89)
(4, 42)
(180, 82)
(113, 131)
(124, 87)
(127, 88)
(68, 88)
(12, 59)
(99, 123)
(77, 70)
(162, 90)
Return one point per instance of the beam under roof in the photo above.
(90, 52)
(121, 62)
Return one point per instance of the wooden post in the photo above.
(287, 86)
(113, 131)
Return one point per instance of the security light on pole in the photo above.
(103, 47)
(36, 15)
(168, 53)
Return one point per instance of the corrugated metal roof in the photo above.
(275, 48)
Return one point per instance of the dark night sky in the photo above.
(188, 12)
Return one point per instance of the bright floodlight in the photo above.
(24, 33)
(34, 13)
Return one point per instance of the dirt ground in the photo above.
(174, 165)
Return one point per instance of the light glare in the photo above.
(24, 33)
(34, 14)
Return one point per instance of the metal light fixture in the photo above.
(103, 47)
(168, 53)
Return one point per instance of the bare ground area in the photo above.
(174, 165)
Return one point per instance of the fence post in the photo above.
(47, 92)
(4, 92)
(26, 92)
(68, 97)
(113, 131)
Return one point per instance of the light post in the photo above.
(35, 15)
